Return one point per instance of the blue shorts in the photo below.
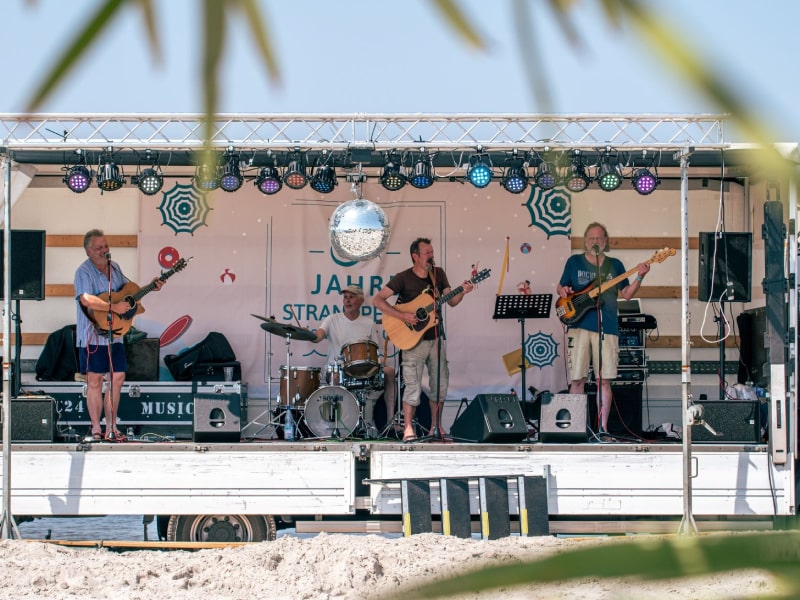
(94, 359)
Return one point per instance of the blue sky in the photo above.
(371, 56)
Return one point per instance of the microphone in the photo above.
(431, 263)
(596, 249)
(107, 255)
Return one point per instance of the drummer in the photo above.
(351, 326)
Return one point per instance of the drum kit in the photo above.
(329, 404)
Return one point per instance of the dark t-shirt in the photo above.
(407, 285)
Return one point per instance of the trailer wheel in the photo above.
(221, 528)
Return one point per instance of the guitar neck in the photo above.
(144, 290)
(612, 282)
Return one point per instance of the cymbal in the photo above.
(284, 330)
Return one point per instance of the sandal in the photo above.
(94, 436)
(409, 437)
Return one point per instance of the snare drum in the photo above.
(302, 383)
(374, 383)
(360, 359)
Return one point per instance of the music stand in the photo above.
(521, 307)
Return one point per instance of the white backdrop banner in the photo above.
(271, 256)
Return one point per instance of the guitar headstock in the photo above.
(481, 276)
(662, 255)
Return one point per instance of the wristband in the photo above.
(639, 278)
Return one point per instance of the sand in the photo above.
(324, 566)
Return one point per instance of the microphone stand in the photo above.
(110, 435)
(436, 431)
(598, 306)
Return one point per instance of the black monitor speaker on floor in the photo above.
(725, 270)
(494, 418)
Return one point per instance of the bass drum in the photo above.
(331, 411)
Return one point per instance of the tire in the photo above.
(221, 528)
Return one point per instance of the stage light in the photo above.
(515, 180)
(391, 178)
(206, 177)
(269, 181)
(546, 176)
(231, 178)
(577, 180)
(149, 181)
(78, 178)
(644, 181)
(422, 175)
(324, 179)
(609, 176)
(109, 176)
(295, 175)
(479, 173)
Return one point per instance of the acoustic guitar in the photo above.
(405, 336)
(574, 306)
(131, 294)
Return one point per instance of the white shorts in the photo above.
(583, 344)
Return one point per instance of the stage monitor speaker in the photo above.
(726, 258)
(563, 418)
(217, 418)
(736, 421)
(27, 264)
(32, 419)
(491, 418)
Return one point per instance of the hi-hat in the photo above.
(284, 330)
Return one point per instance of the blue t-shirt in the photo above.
(580, 273)
(88, 280)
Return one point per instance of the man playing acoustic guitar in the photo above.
(582, 271)
(430, 351)
(93, 278)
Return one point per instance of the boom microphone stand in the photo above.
(598, 307)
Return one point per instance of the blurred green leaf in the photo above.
(646, 559)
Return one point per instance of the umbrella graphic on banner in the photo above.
(541, 349)
(550, 211)
(183, 209)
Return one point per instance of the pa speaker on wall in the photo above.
(217, 418)
(27, 264)
(491, 418)
(725, 270)
(563, 418)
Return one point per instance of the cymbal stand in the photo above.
(289, 403)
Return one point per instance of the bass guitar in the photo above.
(405, 336)
(570, 309)
(131, 294)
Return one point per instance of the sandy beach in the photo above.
(322, 567)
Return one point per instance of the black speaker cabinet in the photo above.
(728, 258)
(737, 421)
(753, 352)
(625, 418)
(491, 418)
(142, 357)
(27, 264)
(32, 419)
(563, 418)
(217, 418)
